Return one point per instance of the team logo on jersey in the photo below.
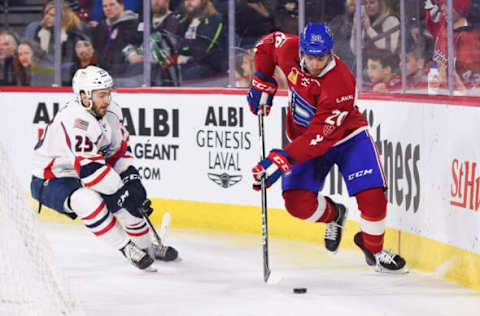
(292, 76)
(316, 140)
(224, 179)
(305, 82)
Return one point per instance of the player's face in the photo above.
(101, 100)
(315, 64)
(375, 71)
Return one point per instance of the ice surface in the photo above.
(220, 273)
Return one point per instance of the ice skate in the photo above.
(383, 261)
(137, 256)
(334, 229)
(163, 253)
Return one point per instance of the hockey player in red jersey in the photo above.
(325, 128)
(83, 167)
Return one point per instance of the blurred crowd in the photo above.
(189, 41)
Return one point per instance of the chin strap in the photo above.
(304, 67)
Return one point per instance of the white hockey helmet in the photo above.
(90, 79)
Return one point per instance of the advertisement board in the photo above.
(201, 147)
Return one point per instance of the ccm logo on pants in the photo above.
(359, 174)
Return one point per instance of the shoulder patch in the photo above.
(80, 124)
(292, 76)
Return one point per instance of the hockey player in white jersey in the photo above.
(83, 167)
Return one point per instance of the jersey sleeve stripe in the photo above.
(99, 178)
(67, 138)
(119, 154)
(90, 158)
(47, 172)
(98, 139)
(89, 169)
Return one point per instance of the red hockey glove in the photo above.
(260, 96)
(272, 167)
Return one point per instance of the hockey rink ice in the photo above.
(220, 273)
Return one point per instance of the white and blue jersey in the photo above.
(79, 149)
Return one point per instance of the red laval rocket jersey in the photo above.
(321, 111)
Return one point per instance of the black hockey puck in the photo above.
(300, 290)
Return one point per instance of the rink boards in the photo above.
(195, 149)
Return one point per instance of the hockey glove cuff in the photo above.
(130, 175)
(272, 167)
(260, 96)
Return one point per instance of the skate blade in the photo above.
(150, 269)
(403, 270)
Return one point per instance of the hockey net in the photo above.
(30, 283)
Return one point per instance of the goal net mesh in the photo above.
(30, 282)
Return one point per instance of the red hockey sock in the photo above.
(373, 206)
(374, 243)
(304, 205)
(329, 214)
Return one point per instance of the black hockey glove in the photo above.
(131, 179)
(133, 195)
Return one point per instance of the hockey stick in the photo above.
(266, 265)
(149, 223)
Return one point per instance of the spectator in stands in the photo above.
(252, 20)
(8, 43)
(162, 17)
(341, 26)
(246, 69)
(44, 34)
(84, 56)
(466, 43)
(381, 65)
(415, 70)
(26, 55)
(10, 67)
(286, 16)
(201, 44)
(164, 25)
(112, 39)
(97, 12)
(380, 28)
